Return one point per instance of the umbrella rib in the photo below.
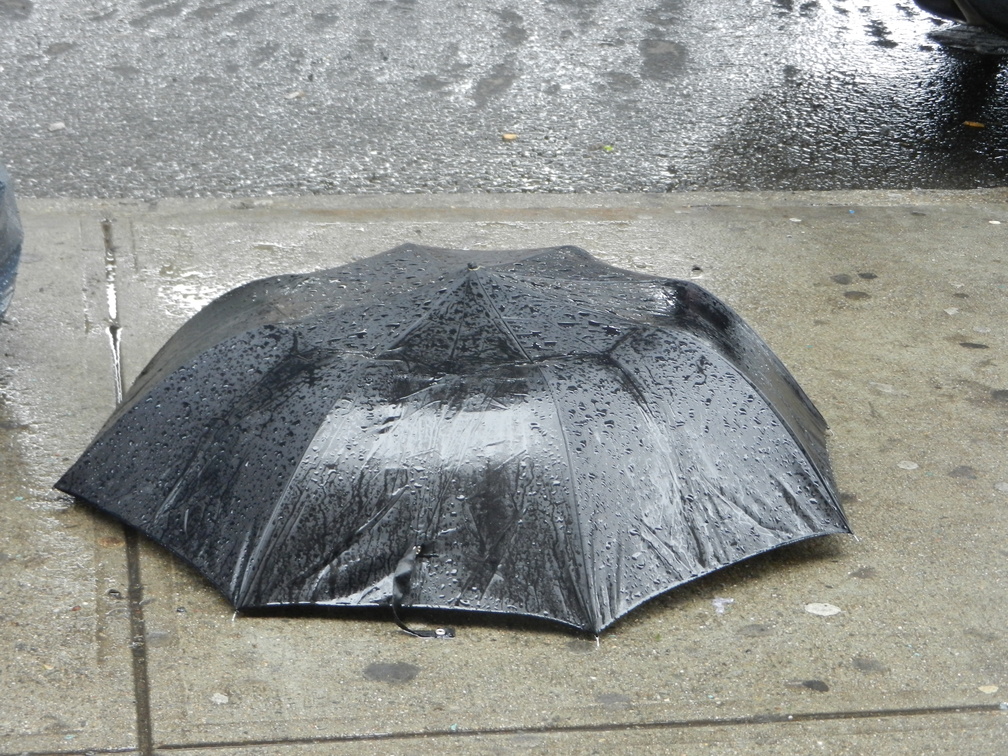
(405, 333)
(589, 586)
(572, 502)
(631, 381)
(772, 364)
(786, 424)
(499, 320)
(265, 543)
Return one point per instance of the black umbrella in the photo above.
(529, 432)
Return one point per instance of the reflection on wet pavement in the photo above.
(193, 98)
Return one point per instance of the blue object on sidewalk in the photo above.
(10, 241)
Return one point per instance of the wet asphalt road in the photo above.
(157, 98)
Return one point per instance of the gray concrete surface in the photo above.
(164, 98)
(890, 308)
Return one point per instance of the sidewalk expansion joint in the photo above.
(672, 724)
(138, 630)
(138, 645)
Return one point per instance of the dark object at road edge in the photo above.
(10, 241)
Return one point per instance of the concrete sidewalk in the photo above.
(890, 309)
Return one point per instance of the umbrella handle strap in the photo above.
(441, 632)
(400, 589)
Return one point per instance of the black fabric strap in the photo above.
(400, 590)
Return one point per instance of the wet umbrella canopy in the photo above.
(530, 432)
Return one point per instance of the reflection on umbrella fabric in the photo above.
(553, 436)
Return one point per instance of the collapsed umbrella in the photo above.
(545, 434)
